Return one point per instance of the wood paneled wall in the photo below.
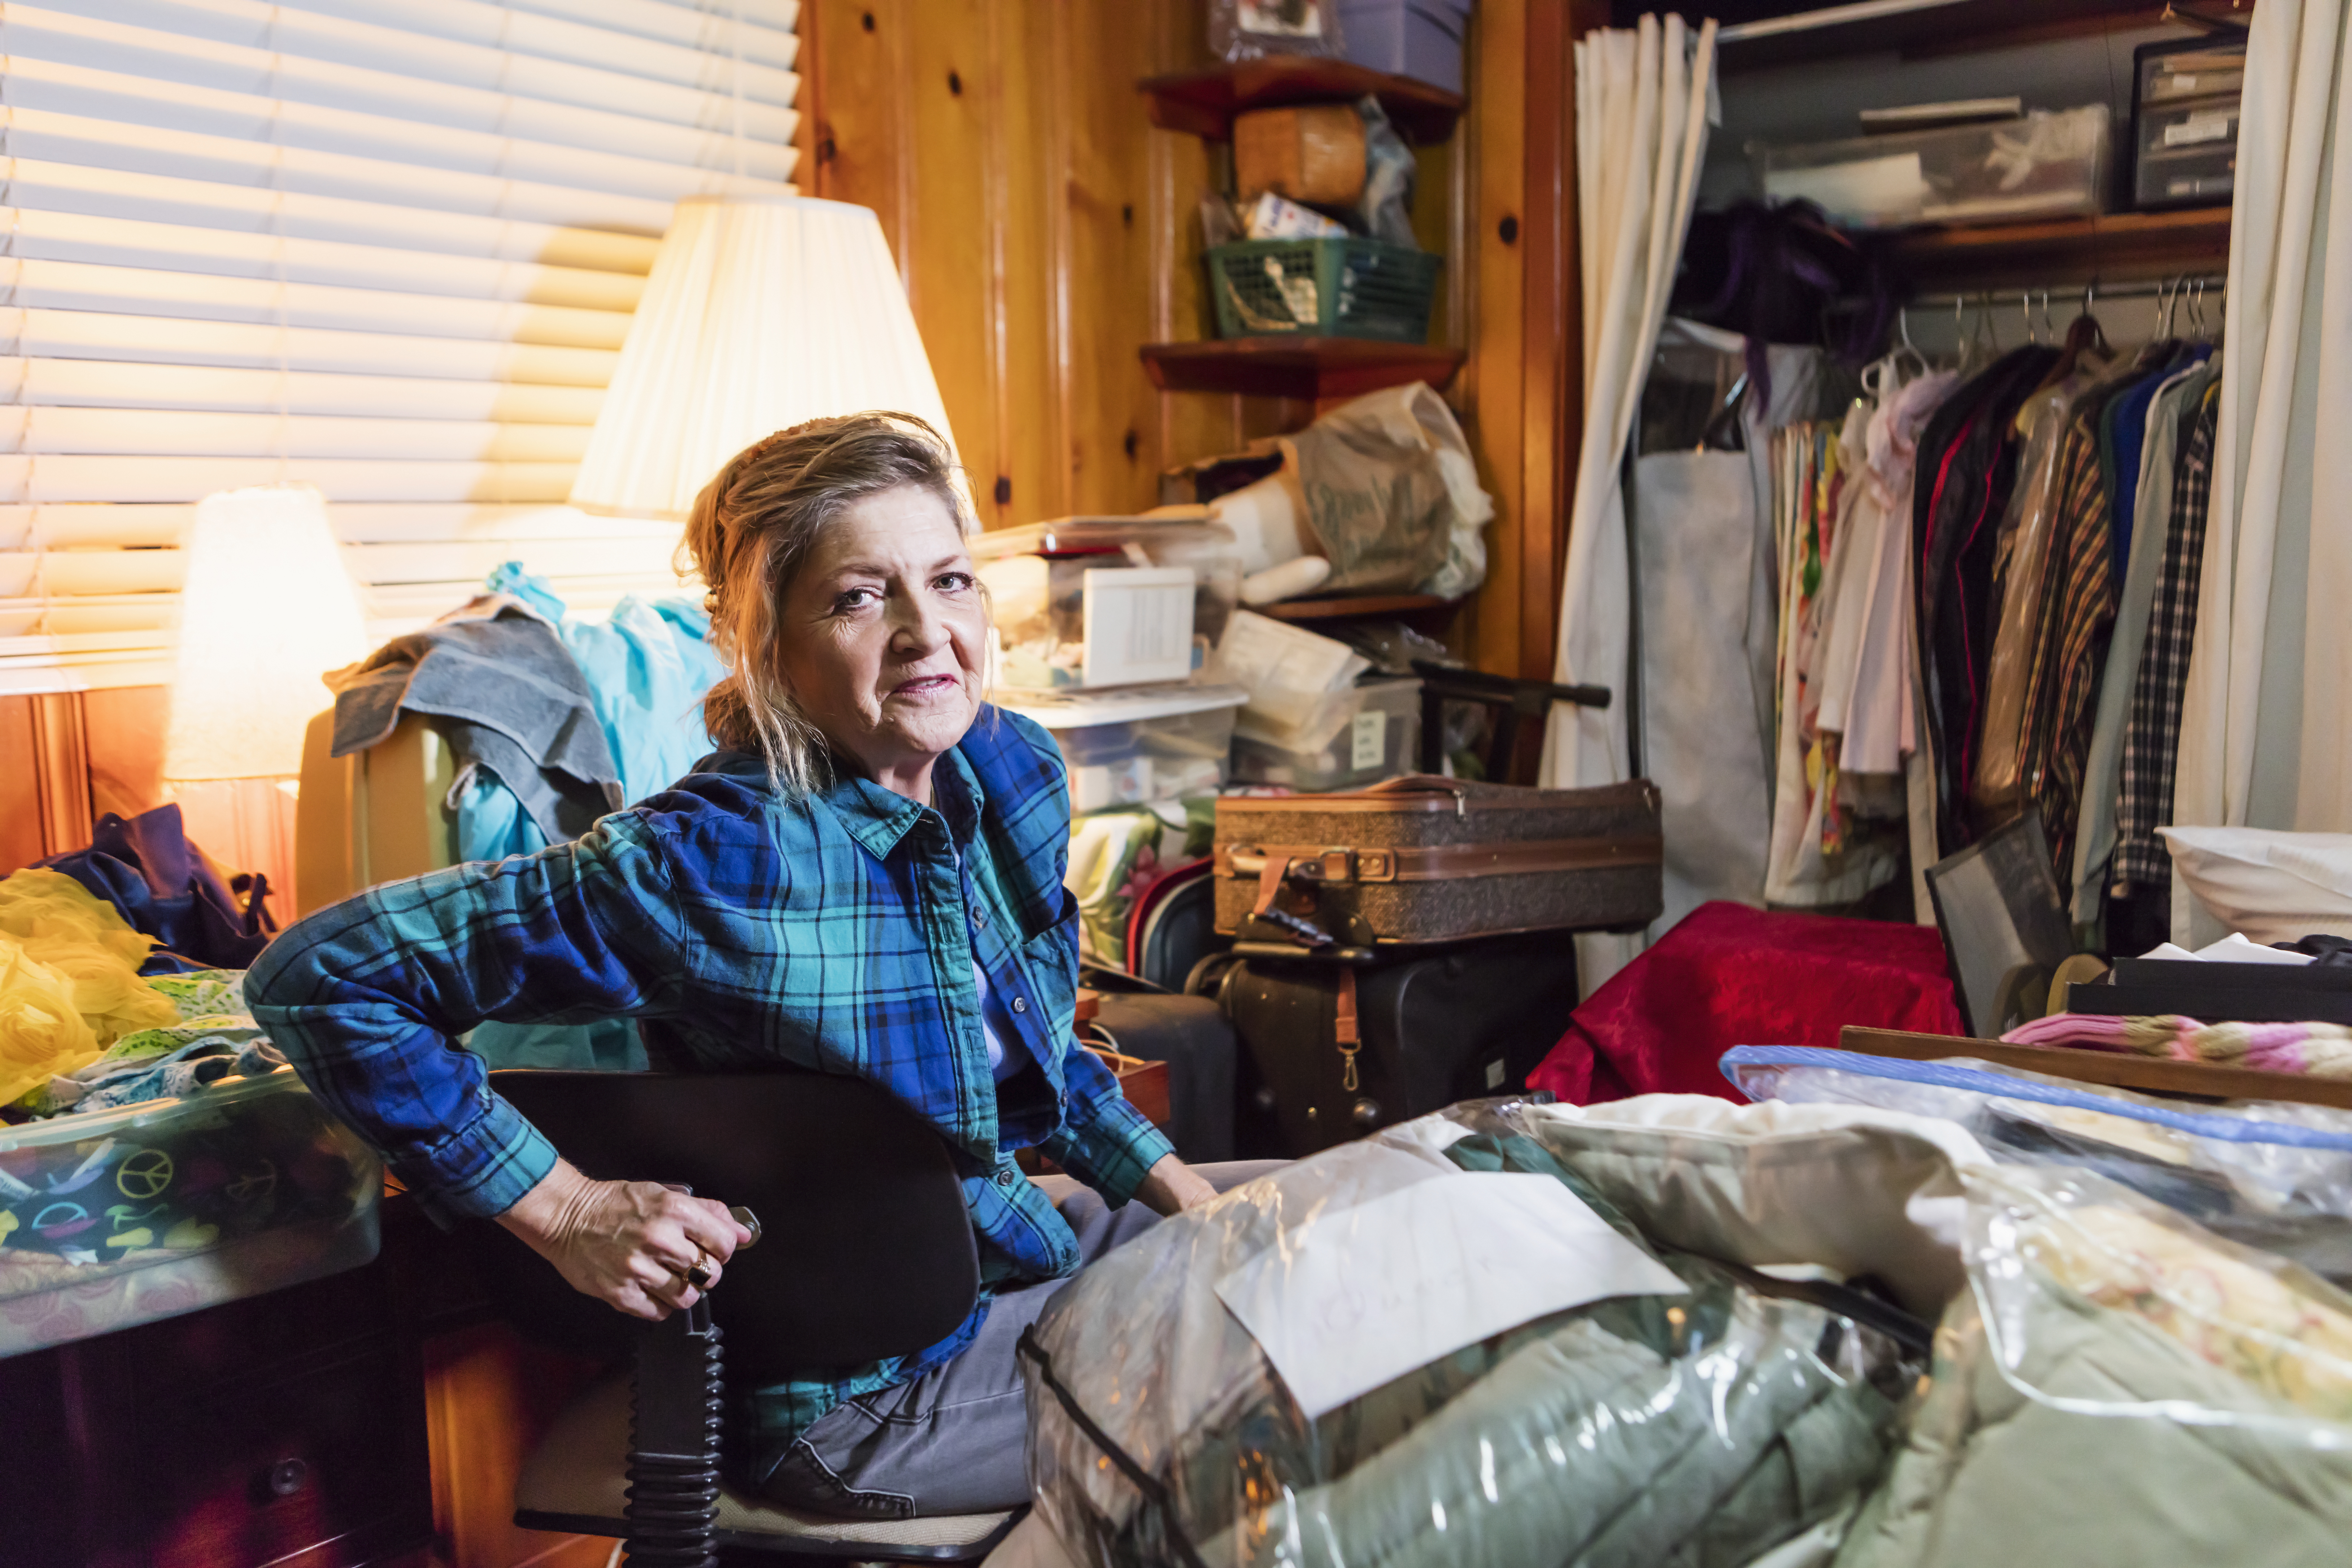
(68, 758)
(1047, 231)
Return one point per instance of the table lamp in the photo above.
(266, 608)
(760, 312)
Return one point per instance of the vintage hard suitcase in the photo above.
(1422, 860)
(1331, 1052)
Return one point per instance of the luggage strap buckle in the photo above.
(1301, 863)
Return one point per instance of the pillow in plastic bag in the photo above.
(1693, 1430)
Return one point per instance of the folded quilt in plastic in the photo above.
(2275, 1175)
(1686, 1430)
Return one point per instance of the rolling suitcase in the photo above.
(1331, 1052)
(1422, 860)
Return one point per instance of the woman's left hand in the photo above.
(1172, 1187)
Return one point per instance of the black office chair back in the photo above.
(866, 1247)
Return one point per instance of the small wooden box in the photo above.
(1310, 153)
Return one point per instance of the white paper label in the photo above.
(1139, 623)
(1354, 1298)
(1369, 740)
(1495, 1074)
(2201, 128)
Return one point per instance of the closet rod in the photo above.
(1830, 17)
(2147, 289)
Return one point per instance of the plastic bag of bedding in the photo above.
(1668, 1331)
(2263, 1173)
(2120, 1388)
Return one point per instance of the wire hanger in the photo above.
(1904, 352)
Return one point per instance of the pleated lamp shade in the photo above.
(266, 608)
(760, 313)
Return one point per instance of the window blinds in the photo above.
(388, 248)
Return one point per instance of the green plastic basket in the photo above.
(1348, 288)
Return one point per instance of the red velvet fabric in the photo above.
(1729, 976)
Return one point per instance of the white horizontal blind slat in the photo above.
(148, 526)
(163, 340)
(260, 50)
(40, 234)
(100, 385)
(139, 188)
(330, 130)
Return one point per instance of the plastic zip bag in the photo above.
(2119, 1386)
(1695, 1429)
(2269, 1174)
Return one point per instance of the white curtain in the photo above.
(2266, 722)
(1645, 100)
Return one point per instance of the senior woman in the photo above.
(868, 880)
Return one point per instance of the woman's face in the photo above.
(880, 636)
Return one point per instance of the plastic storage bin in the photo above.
(1351, 287)
(2043, 164)
(1100, 601)
(121, 1217)
(1419, 39)
(1365, 734)
(1143, 744)
(2184, 123)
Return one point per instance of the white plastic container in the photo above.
(1363, 735)
(121, 1217)
(1139, 745)
(1094, 601)
(2043, 164)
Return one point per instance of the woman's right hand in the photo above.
(628, 1244)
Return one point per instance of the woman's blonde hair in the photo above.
(752, 527)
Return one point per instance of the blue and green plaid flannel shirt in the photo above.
(741, 927)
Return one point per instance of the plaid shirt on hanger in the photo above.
(2152, 734)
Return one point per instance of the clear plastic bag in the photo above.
(2268, 1174)
(1393, 495)
(2119, 1386)
(1691, 1429)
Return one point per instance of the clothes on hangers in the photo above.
(2021, 558)
(1968, 461)
(1851, 667)
(1985, 588)
(2159, 449)
(2152, 734)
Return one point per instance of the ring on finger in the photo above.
(697, 1273)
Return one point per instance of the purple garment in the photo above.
(157, 881)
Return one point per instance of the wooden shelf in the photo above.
(2111, 248)
(1316, 368)
(1204, 103)
(1962, 26)
(2145, 1075)
(1401, 605)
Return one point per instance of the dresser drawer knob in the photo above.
(288, 1477)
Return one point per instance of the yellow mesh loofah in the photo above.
(39, 905)
(73, 946)
(42, 1031)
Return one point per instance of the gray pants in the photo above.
(956, 1440)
